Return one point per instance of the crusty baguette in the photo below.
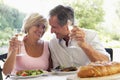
(99, 69)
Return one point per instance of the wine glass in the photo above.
(20, 36)
(72, 42)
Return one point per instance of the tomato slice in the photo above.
(24, 74)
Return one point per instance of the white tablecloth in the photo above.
(70, 77)
(49, 77)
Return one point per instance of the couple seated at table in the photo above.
(40, 54)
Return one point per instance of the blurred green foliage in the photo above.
(10, 19)
(88, 13)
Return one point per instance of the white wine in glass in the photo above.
(21, 36)
(72, 41)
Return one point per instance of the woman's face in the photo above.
(37, 31)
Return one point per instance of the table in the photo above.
(72, 76)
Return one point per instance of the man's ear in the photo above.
(69, 22)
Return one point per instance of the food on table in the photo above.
(69, 69)
(66, 69)
(99, 69)
(29, 72)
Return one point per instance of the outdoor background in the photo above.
(100, 15)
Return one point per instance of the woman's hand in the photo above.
(14, 44)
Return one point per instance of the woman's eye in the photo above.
(41, 25)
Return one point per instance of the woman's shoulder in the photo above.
(43, 41)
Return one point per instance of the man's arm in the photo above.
(93, 54)
(92, 47)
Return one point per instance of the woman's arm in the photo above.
(11, 58)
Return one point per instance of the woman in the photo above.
(36, 52)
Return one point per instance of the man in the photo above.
(89, 47)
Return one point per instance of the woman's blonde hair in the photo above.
(34, 19)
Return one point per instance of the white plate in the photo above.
(110, 77)
(24, 77)
(63, 73)
(27, 77)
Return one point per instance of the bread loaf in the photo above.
(99, 69)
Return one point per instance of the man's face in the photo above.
(60, 31)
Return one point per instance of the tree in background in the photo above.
(118, 15)
(88, 13)
(10, 19)
(118, 9)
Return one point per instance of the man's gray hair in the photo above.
(63, 14)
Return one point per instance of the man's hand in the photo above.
(79, 35)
